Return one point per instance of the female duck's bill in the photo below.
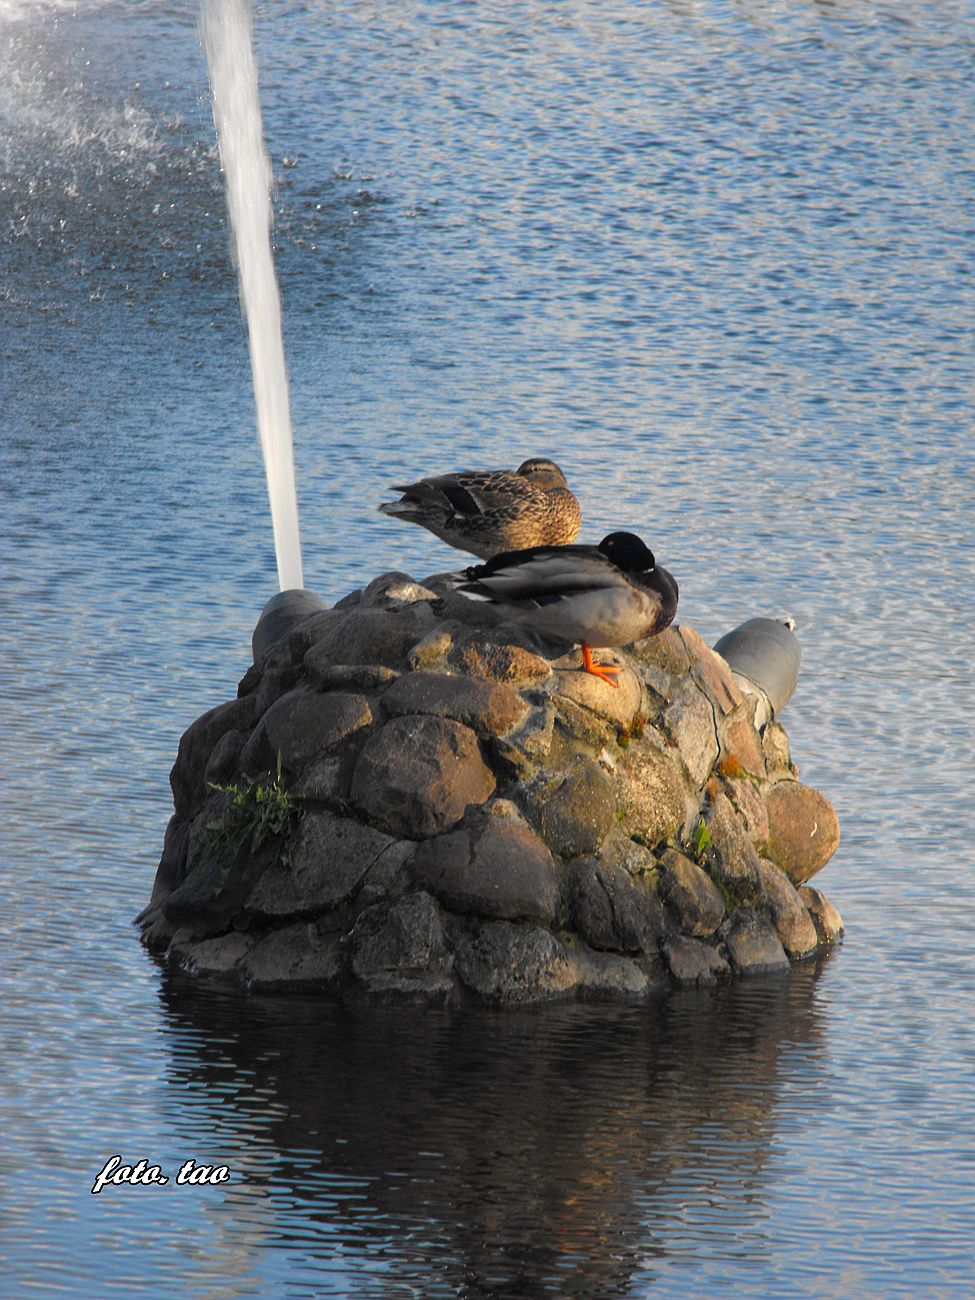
(489, 511)
(606, 595)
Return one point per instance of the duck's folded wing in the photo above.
(544, 574)
(472, 492)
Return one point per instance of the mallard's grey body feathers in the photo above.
(489, 511)
(606, 595)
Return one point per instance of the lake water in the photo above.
(717, 260)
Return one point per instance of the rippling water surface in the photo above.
(717, 259)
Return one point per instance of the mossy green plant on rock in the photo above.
(259, 809)
(701, 842)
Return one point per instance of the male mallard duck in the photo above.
(606, 595)
(487, 511)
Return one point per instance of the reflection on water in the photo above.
(555, 1152)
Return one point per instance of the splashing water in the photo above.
(227, 31)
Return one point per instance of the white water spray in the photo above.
(228, 39)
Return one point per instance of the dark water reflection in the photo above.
(560, 1151)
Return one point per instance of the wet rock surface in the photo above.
(412, 799)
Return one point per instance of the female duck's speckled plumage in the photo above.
(489, 511)
(606, 595)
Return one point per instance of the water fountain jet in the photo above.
(227, 33)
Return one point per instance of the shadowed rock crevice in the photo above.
(445, 808)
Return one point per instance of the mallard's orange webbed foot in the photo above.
(605, 672)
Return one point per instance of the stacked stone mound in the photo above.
(479, 818)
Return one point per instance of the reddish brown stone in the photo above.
(689, 719)
(792, 922)
(690, 961)
(491, 868)
(750, 803)
(803, 829)
(571, 810)
(826, 919)
(369, 636)
(710, 672)
(752, 943)
(666, 652)
(302, 725)
(651, 796)
(775, 747)
(489, 708)
(741, 749)
(619, 704)
(499, 663)
(691, 894)
(418, 775)
(731, 854)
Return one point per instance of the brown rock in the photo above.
(419, 774)
(752, 943)
(692, 962)
(491, 867)
(731, 854)
(618, 704)
(792, 922)
(693, 897)
(489, 708)
(803, 830)
(741, 749)
(302, 725)
(652, 798)
(224, 763)
(330, 855)
(534, 735)
(775, 748)
(393, 591)
(498, 662)
(689, 719)
(351, 677)
(216, 957)
(512, 963)
(579, 723)
(572, 810)
(748, 802)
(295, 957)
(399, 940)
(369, 636)
(612, 910)
(430, 650)
(829, 926)
(197, 744)
(666, 652)
(634, 858)
(605, 975)
(710, 672)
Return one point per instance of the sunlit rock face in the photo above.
(412, 798)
